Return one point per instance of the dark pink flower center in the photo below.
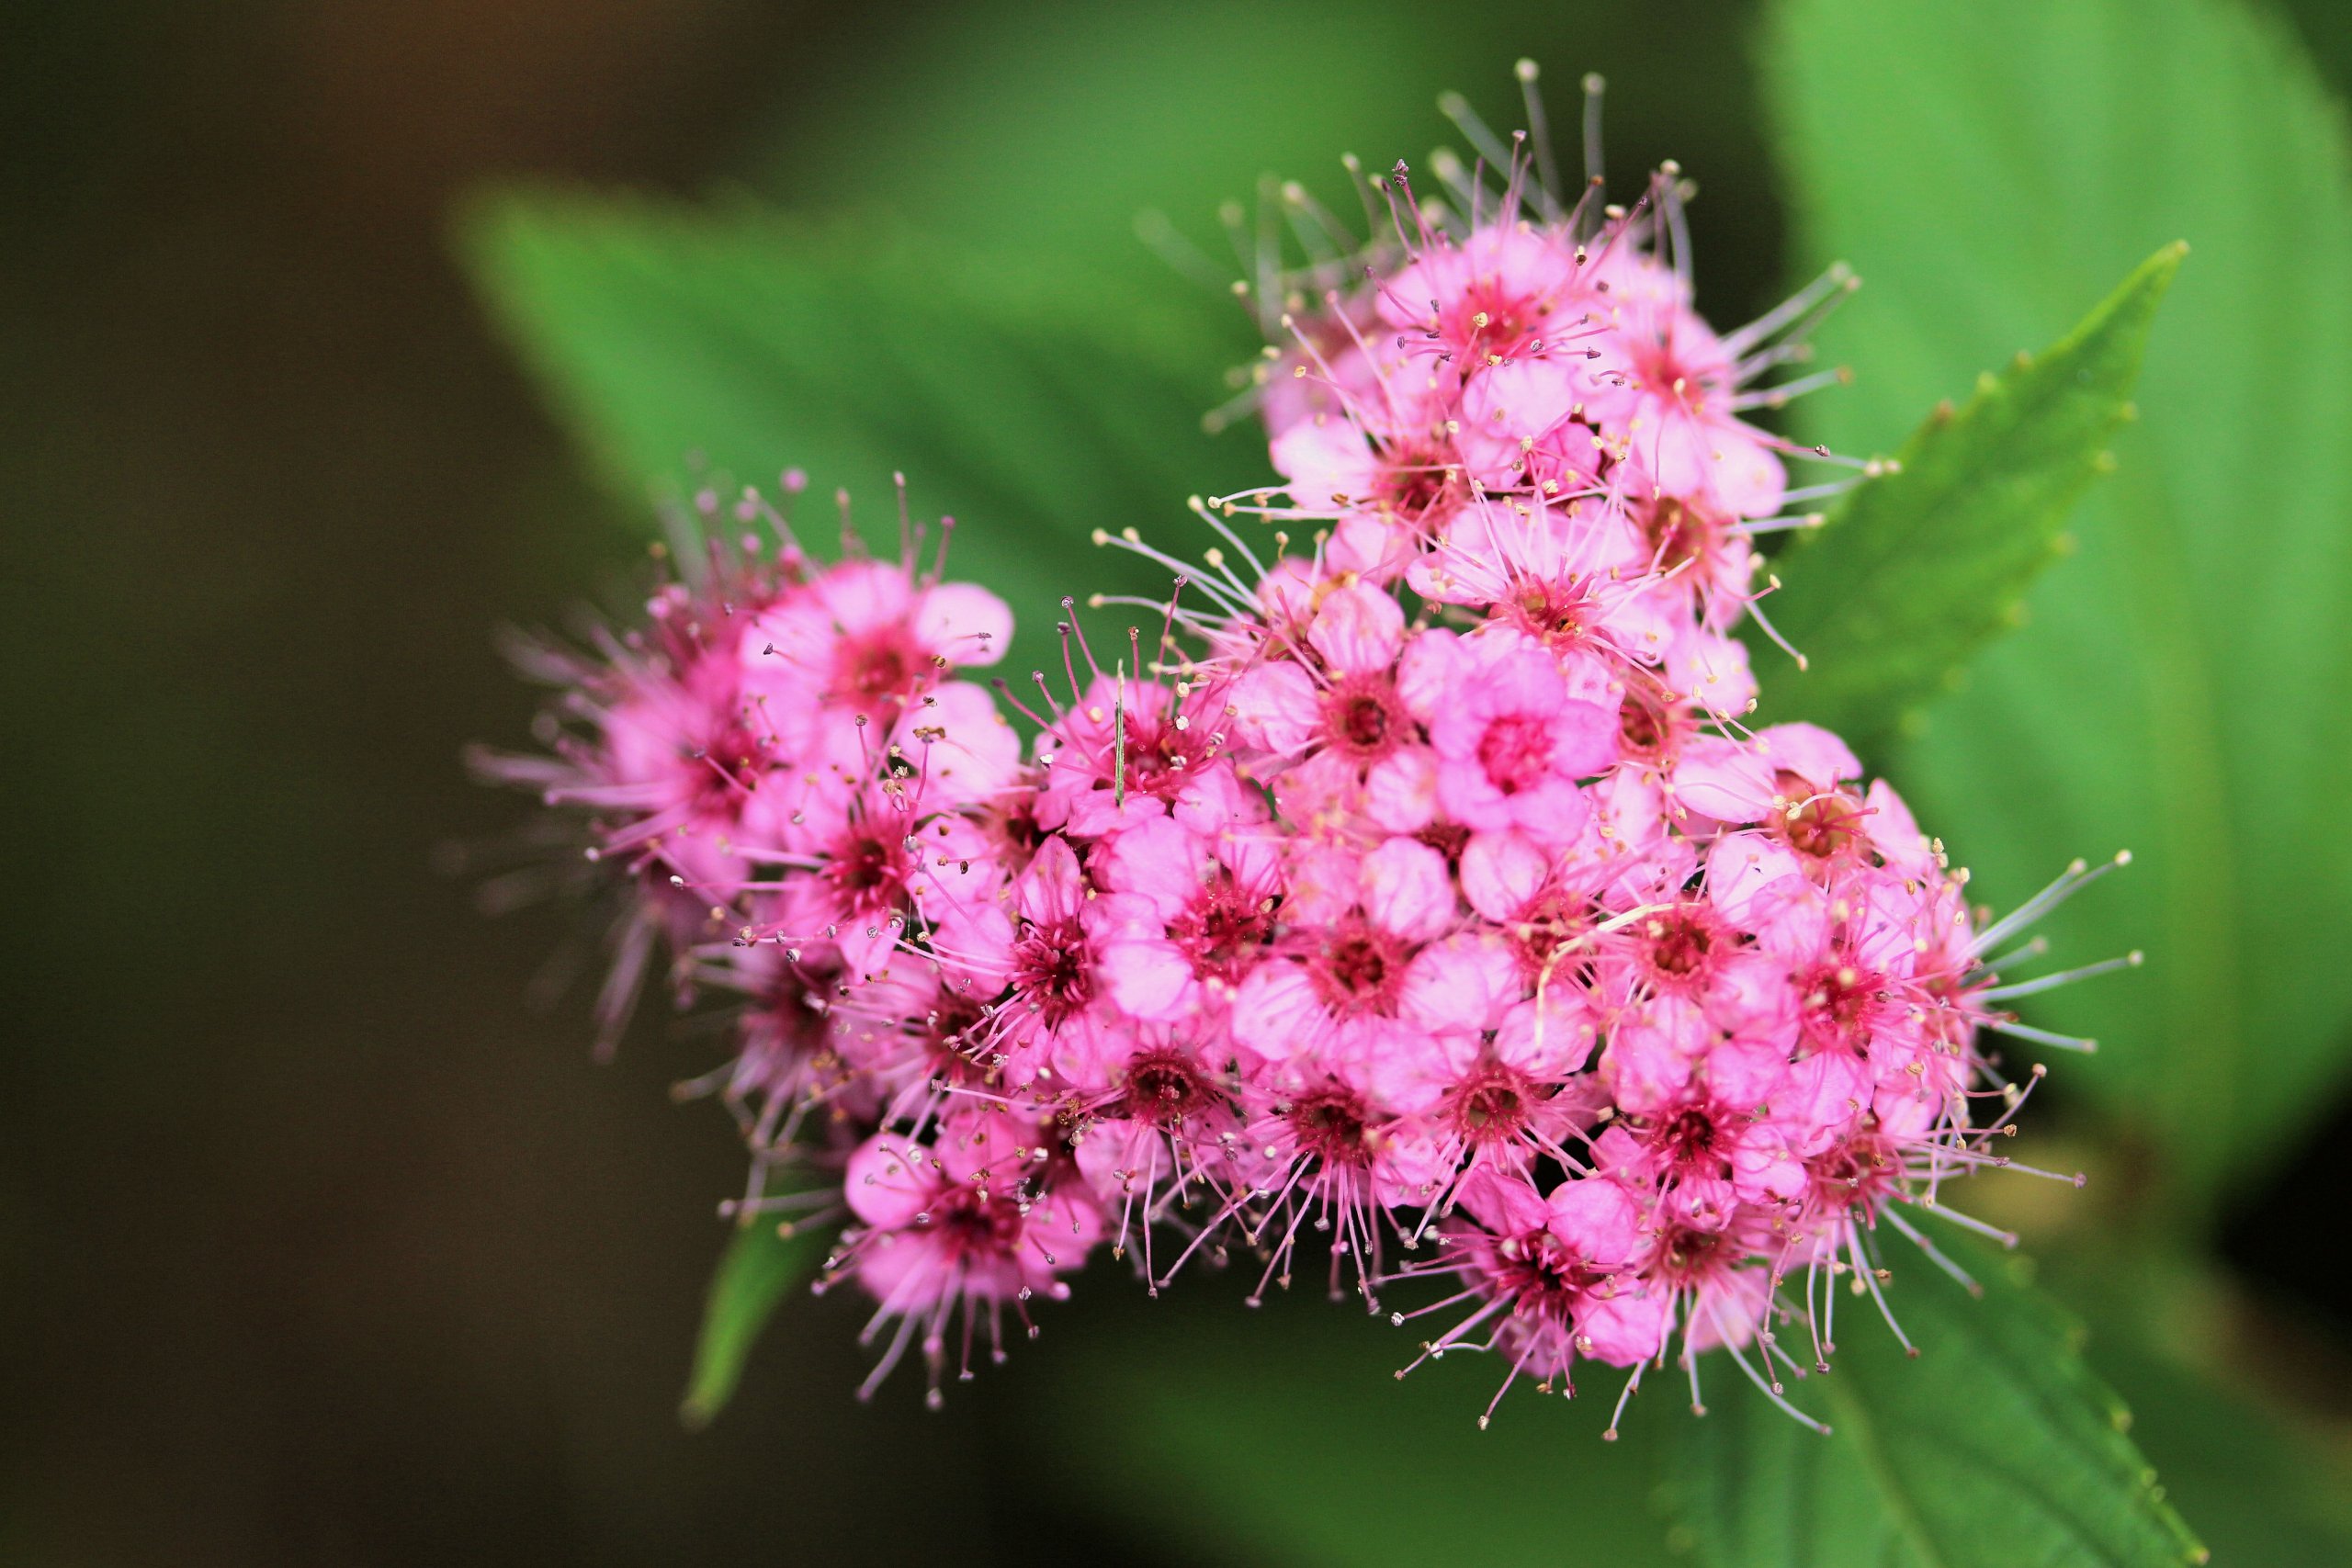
(1542, 935)
(1492, 1106)
(1688, 1254)
(1516, 752)
(1050, 972)
(1679, 532)
(1221, 929)
(1554, 614)
(797, 1014)
(1681, 942)
(1329, 1124)
(948, 1034)
(1838, 1003)
(876, 664)
(1415, 480)
(1687, 1143)
(1164, 1087)
(1663, 372)
(1510, 318)
(1858, 1170)
(868, 873)
(1362, 717)
(726, 769)
(972, 1225)
(1359, 970)
(1159, 759)
(1448, 839)
(1650, 720)
(1541, 1279)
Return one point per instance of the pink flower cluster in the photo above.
(1418, 892)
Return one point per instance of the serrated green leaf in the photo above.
(2178, 688)
(1994, 1448)
(758, 1267)
(1034, 406)
(2263, 1494)
(1916, 569)
(1281, 1435)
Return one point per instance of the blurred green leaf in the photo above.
(1068, 116)
(1996, 1447)
(758, 1267)
(2263, 1494)
(2268, 1486)
(1033, 406)
(1916, 569)
(1283, 1436)
(2178, 687)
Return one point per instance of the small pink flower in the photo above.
(1338, 990)
(1511, 749)
(1189, 916)
(978, 1220)
(868, 635)
(1500, 292)
(1425, 880)
(1039, 953)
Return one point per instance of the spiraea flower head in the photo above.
(1414, 893)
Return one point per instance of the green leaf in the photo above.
(2178, 688)
(1996, 1447)
(1916, 569)
(2268, 1486)
(1034, 406)
(2264, 1493)
(759, 1265)
(1283, 1436)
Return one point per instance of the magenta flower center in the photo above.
(1448, 839)
(1159, 758)
(1543, 1279)
(1688, 1253)
(1554, 614)
(1663, 373)
(1643, 725)
(1328, 1123)
(976, 1225)
(1219, 931)
(1050, 970)
(1541, 938)
(1509, 318)
(1687, 1143)
(727, 767)
(1681, 944)
(1414, 480)
(1163, 1086)
(1491, 1107)
(1362, 717)
(1856, 1171)
(1677, 532)
(868, 872)
(874, 665)
(1836, 1003)
(801, 1023)
(947, 1034)
(1516, 752)
(1359, 970)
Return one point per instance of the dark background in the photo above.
(317, 1243)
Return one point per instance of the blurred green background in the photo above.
(319, 1245)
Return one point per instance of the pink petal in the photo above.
(967, 623)
(1405, 890)
(1358, 629)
